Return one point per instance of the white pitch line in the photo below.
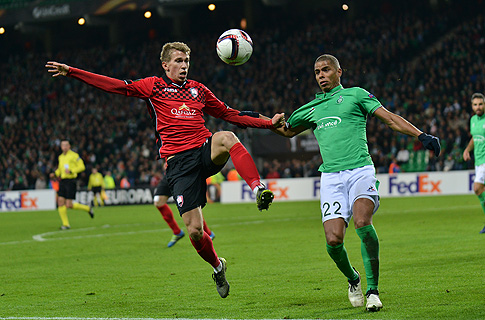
(87, 318)
(41, 237)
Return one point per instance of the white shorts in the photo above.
(480, 174)
(339, 190)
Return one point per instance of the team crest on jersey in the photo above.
(194, 92)
(180, 200)
(340, 99)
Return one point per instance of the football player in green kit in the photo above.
(477, 144)
(348, 186)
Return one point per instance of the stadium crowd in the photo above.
(420, 64)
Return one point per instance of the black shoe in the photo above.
(264, 198)
(220, 280)
(90, 212)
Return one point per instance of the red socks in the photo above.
(244, 164)
(167, 215)
(205, 249)
(206, 228)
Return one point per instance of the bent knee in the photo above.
(334, 239)
(227, 139)
(195, 233)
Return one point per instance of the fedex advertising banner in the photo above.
(402, 184)
(26, 200)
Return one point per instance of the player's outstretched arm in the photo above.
(399, 124)
(285, 130)
(57, 69)
(468, 149)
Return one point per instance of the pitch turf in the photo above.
(118, 265)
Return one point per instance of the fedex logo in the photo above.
(279, 191)
(471, 181)
(22, 202)
(422, 184)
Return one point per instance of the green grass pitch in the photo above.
(118, 266)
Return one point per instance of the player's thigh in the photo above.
(194, 220)
(161, 193)
(221, 143)
(362, 184)
(334, 201)
(209, 166)
(479, 181)
(187, 182)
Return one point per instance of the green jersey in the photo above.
(338, 120)
(477, 129)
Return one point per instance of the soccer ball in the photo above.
(234, 47)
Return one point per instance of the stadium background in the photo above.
(422, 59)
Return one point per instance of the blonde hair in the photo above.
(170, 47)
(329, 57)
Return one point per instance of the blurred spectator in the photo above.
(109, 182)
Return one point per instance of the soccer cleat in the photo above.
(220, 280)
(356, 296)
(212, 235)
(483, 230)
(264, 198)
(65, 227)
(90, 212)
(175, 238)
(373, 301)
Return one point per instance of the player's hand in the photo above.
(278, 120)
(430, 142)
(466, 155)
(52, 176)
(58, 69)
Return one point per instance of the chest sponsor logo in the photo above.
(183, 110)
(478, 138)
(328, 123)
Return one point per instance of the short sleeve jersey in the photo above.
(477, 130)
(72, 161)
(338, 120)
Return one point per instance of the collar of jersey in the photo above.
(323, 95)
(169, 81)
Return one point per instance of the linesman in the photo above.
(70, 165)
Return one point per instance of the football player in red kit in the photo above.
(176, 105)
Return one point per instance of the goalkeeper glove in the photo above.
(430, 142)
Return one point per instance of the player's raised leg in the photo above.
(225, 144)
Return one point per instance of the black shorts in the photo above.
(96, 190)
(186, 176)
(162, 188)
(67, 188)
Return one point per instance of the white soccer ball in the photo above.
(234, 47)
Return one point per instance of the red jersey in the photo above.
(176, 110)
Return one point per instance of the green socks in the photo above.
(341, 259)
(481, 197)
(370, 254)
